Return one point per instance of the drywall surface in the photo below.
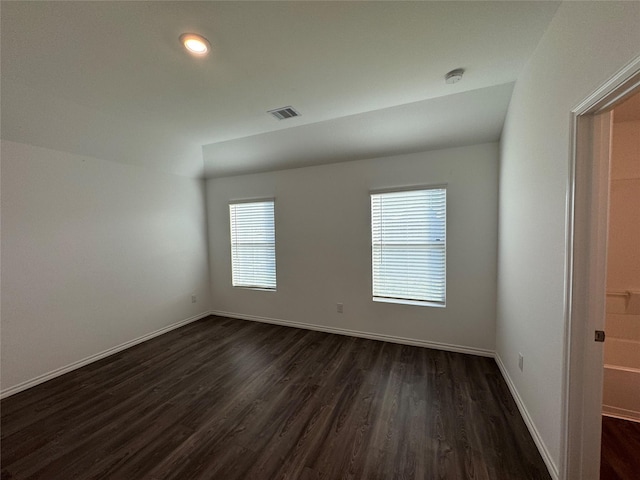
(323, 245)
(94, 254)
(585, 44)
(32, 117)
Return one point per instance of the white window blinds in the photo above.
(253, 244)
(408, 232)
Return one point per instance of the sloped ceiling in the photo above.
(110, 79)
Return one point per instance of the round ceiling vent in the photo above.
(454, 76)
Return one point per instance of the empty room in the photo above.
(315, 240)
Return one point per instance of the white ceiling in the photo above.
(466, 118)
(109, 79)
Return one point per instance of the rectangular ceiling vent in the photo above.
(284, 112)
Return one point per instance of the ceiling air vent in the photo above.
(284, 112)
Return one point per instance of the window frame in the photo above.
(232, 244)
(406, 301)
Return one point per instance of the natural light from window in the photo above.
(408, 240)
(253, 244)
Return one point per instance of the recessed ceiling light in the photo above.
(195, 44)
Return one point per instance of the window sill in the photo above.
(260, 289)
(401, 301)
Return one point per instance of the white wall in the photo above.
(94, 254)
(585, 44)
(323, 245)
(32, 117)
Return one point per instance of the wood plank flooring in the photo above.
(620, 453)
(232, 399)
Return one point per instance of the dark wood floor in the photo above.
(232, 399)
(620, 453)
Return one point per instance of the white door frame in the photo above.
(585, 272)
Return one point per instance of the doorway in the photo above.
(587, 239)
(620, 439)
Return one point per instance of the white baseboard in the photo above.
(621, 413)
(356, 333)
(553, 469)
(544, 452)
(542, 448)
(98, 356)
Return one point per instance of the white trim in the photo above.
(403, 301)
(568, 309)
(356, 333)
(98, 356)
(553, 470)
(537, 438)
(572, 413)
(598, 99)
(409, 188)
(253, 200)
(620, 413)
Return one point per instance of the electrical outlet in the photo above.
(339, 308)
(520, 361)
(194, 299)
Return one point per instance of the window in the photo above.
(253, 244)
(408, 237)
